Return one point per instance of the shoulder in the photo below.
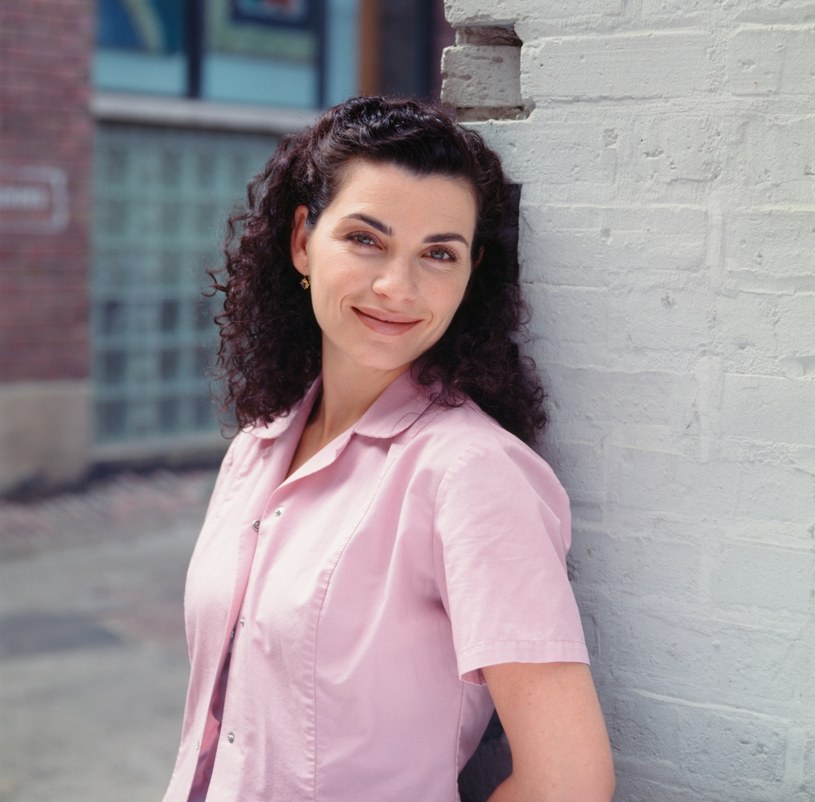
(468, 448)
(496, 497)
(241, 455)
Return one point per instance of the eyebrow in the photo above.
(447, 236)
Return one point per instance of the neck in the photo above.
(345, 398)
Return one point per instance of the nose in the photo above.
(395, 279)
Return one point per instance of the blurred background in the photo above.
(128, 132)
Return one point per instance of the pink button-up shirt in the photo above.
(358, 599)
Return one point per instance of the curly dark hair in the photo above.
(270, 348)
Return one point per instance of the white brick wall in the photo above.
(666, 151)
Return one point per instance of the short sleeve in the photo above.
(502, 531)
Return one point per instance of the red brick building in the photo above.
(46, 140)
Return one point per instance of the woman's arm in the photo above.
(556, 732)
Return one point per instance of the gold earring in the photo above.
(305, 283)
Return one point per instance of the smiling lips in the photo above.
(388, 323)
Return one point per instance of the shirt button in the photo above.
(242, 620)
(231, 737)
(197, 745)
(278, 512)
(256, 525)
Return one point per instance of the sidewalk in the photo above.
(93, 665)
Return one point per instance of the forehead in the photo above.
(361, 181)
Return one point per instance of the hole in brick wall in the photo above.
(481, 74)
(488, 36)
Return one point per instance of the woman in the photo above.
(382, 559)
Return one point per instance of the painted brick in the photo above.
(772, 61)
(809, 770)
(700, 659)
(579, 466)
(676, 735)
(769, 408)
(670, 483)
(551, 353)
(586, 17)
(641, 65)
(795, 332)
(776, 164)
(776, 493)
(666, 241)
(460, 13)
(604, 397)
(766, 246)
(768, 452)
(768, 577)
(605, 246)
(651, 568)
(672, 13)
(660, 320)
(573, 157)
(767, 333)
(780, 533)
(540, 14)
(571, 324)
(747, 330)
(633, 787)
(788, 13)
(673, 149)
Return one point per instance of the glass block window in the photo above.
(161, 199)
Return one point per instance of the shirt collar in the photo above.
(400, 405)
(281, 424)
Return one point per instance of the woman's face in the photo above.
(388, 261)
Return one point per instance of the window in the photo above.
(259, 52)
(161, 200)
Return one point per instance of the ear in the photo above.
(299, 240)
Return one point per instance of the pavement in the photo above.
(93, 663)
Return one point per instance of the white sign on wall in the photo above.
(33, 199)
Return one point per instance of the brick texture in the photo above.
(667, 241)
(45, 149)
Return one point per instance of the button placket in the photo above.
(277, 513)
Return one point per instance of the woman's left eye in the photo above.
(442, 255)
